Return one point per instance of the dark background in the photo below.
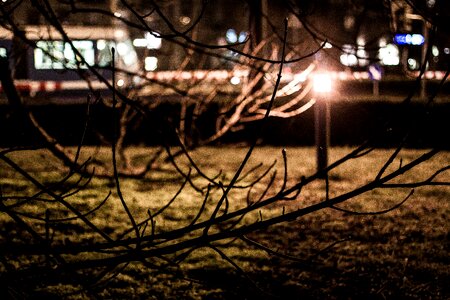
(384, 123)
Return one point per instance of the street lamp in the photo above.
(322, 85)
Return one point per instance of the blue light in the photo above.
(231, 36)
(409, 39)
(242, 36)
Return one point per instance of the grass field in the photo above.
(401, 254)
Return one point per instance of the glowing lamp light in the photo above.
(322, 83)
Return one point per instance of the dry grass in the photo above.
(401, 254)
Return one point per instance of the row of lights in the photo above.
(151, 40)
(388, 54)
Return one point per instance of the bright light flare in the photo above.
(235, 80)
(322, 83)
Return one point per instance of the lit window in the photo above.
(348, 58)
(126, 52)
(151, 63)
(3, 52)
(122, 48)
(389, 55)
(153, 40)
(60, 55)
(85, 48)
(362, 57)
(104, 56)
(140, 42)
(48, 55)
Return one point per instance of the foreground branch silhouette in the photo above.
(229, 207)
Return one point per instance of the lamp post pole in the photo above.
(322, 131)
(322, 87)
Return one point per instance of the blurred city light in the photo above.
(151, 63)
(235, 80)
(140, 43)
(231, 36)
(153, 40)
(348, 57)
(150, 41)
(409, 39)
(431, 3)
(435, 51)
(413, 64)
(185, 20)
(242, 36)
(322, 83)
(389, 55)
(101, 45)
